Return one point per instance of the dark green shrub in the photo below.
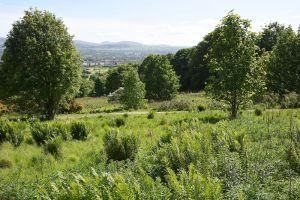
(16, 138)
(119, 122)
(5, 131)
(150, 115)
(79, 131)
(42, 132)
(120, 147)
(200, 108)
(258, 112)
(5, 163)
(29, 140)
(53, 147)
(9, 134)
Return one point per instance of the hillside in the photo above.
(111, 53)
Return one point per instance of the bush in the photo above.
(178, 105)
(53, 147)
(258, 112)
(5, 163)
(42, 132)
(119, 122)
(120, 147)
(16, 138)
(150, 115)
(9, 134)
(200, 108)
(5, 131)
(79, 131)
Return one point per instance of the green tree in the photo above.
(41, 66)
(198, 73)
(180, 63)
(86, 88)
(99, 86)
(133, 95)
(232, 62)
(115, 77)
(283, 73)
(269, 36)
(161, 81)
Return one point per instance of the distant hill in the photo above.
(112, 53)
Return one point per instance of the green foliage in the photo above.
(115, 77)
(53, 147)
(161, 81)
(9, 134)
(180, 63)
(134, 91)
(119, 122)
(79, 131)
(283, 73)
(269, 36)
(150, 115)
(193, 185)
(99, 86)
(41, 66)
(200, 108)
(5, 163)
(198, 73)
(86, 88)
(258, 112)
(120, 147)
(233, 73)
(43, 132)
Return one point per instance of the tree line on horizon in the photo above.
(41, 68)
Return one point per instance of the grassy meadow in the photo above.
(167, 153)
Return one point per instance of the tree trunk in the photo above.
(49, 111)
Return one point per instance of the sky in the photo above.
(172, 22)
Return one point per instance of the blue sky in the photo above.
(174, 22)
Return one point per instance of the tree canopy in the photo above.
(232, 62)
(41, 67)
(134, 90)
(160, 79)
(283, 72)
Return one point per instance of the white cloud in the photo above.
(184, 33)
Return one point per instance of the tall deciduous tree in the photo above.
(232, 62)
(160, 79)
(41, 66)
(134, 90)
(283, 72)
